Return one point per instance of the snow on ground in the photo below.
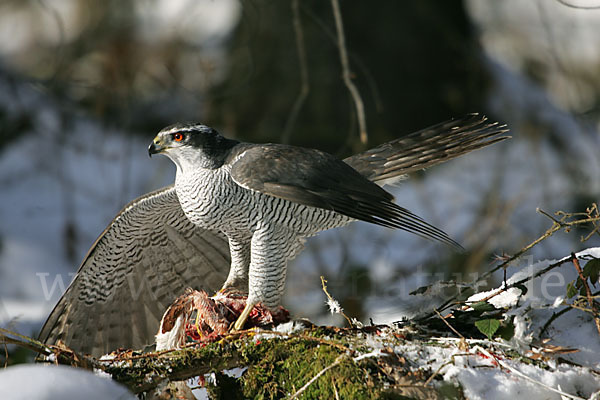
(545, 297)
(51, 382)
(482, 377)
(487, 369)
(490, 374)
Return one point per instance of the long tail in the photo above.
(427, 147)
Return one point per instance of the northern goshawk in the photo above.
(255, 202)
(268, 198)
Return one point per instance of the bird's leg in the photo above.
(237, 280)
(270, 250)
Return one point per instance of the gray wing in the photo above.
(317, 179)
(427, 147)
(142, 261)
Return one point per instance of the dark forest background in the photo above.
(415, 64)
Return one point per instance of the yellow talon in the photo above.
(197, 323)
(239, 324)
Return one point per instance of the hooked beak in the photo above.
(156, 146)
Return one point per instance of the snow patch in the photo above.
(49, 382)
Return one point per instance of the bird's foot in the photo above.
(250, 315)
(259, 315)
(215, 315)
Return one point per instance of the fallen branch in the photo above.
(61, 353)
(10, 337)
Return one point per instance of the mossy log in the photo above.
(316, 362)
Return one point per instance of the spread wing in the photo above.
(317, 179)
(142, 261)
(427, 147)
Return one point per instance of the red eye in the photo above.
(178, 137)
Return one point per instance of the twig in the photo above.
(24, 341)
(588, 292)
(356, 60)
(578, 307)
(331, 301)
(525, 280)
(304, 83)
(568, 307)
(335, 392)
(556, 225)
(549, 232)
(63, 354)
(8, 340)
(554, 316)
(360, 109)
(337, 361)
(437, 371)
(491, 296)
(449, 326)
(594, 213)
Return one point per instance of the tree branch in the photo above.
(360, 109)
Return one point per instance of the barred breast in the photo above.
(211, 199)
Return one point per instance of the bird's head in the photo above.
(192, 144)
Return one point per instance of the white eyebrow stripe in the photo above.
(184, 129)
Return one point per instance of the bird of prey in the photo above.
(236, 214)
(268, 198)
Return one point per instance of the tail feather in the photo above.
(427, 147)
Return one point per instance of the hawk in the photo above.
(237, 213)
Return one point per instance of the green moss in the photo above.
(286, 366)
